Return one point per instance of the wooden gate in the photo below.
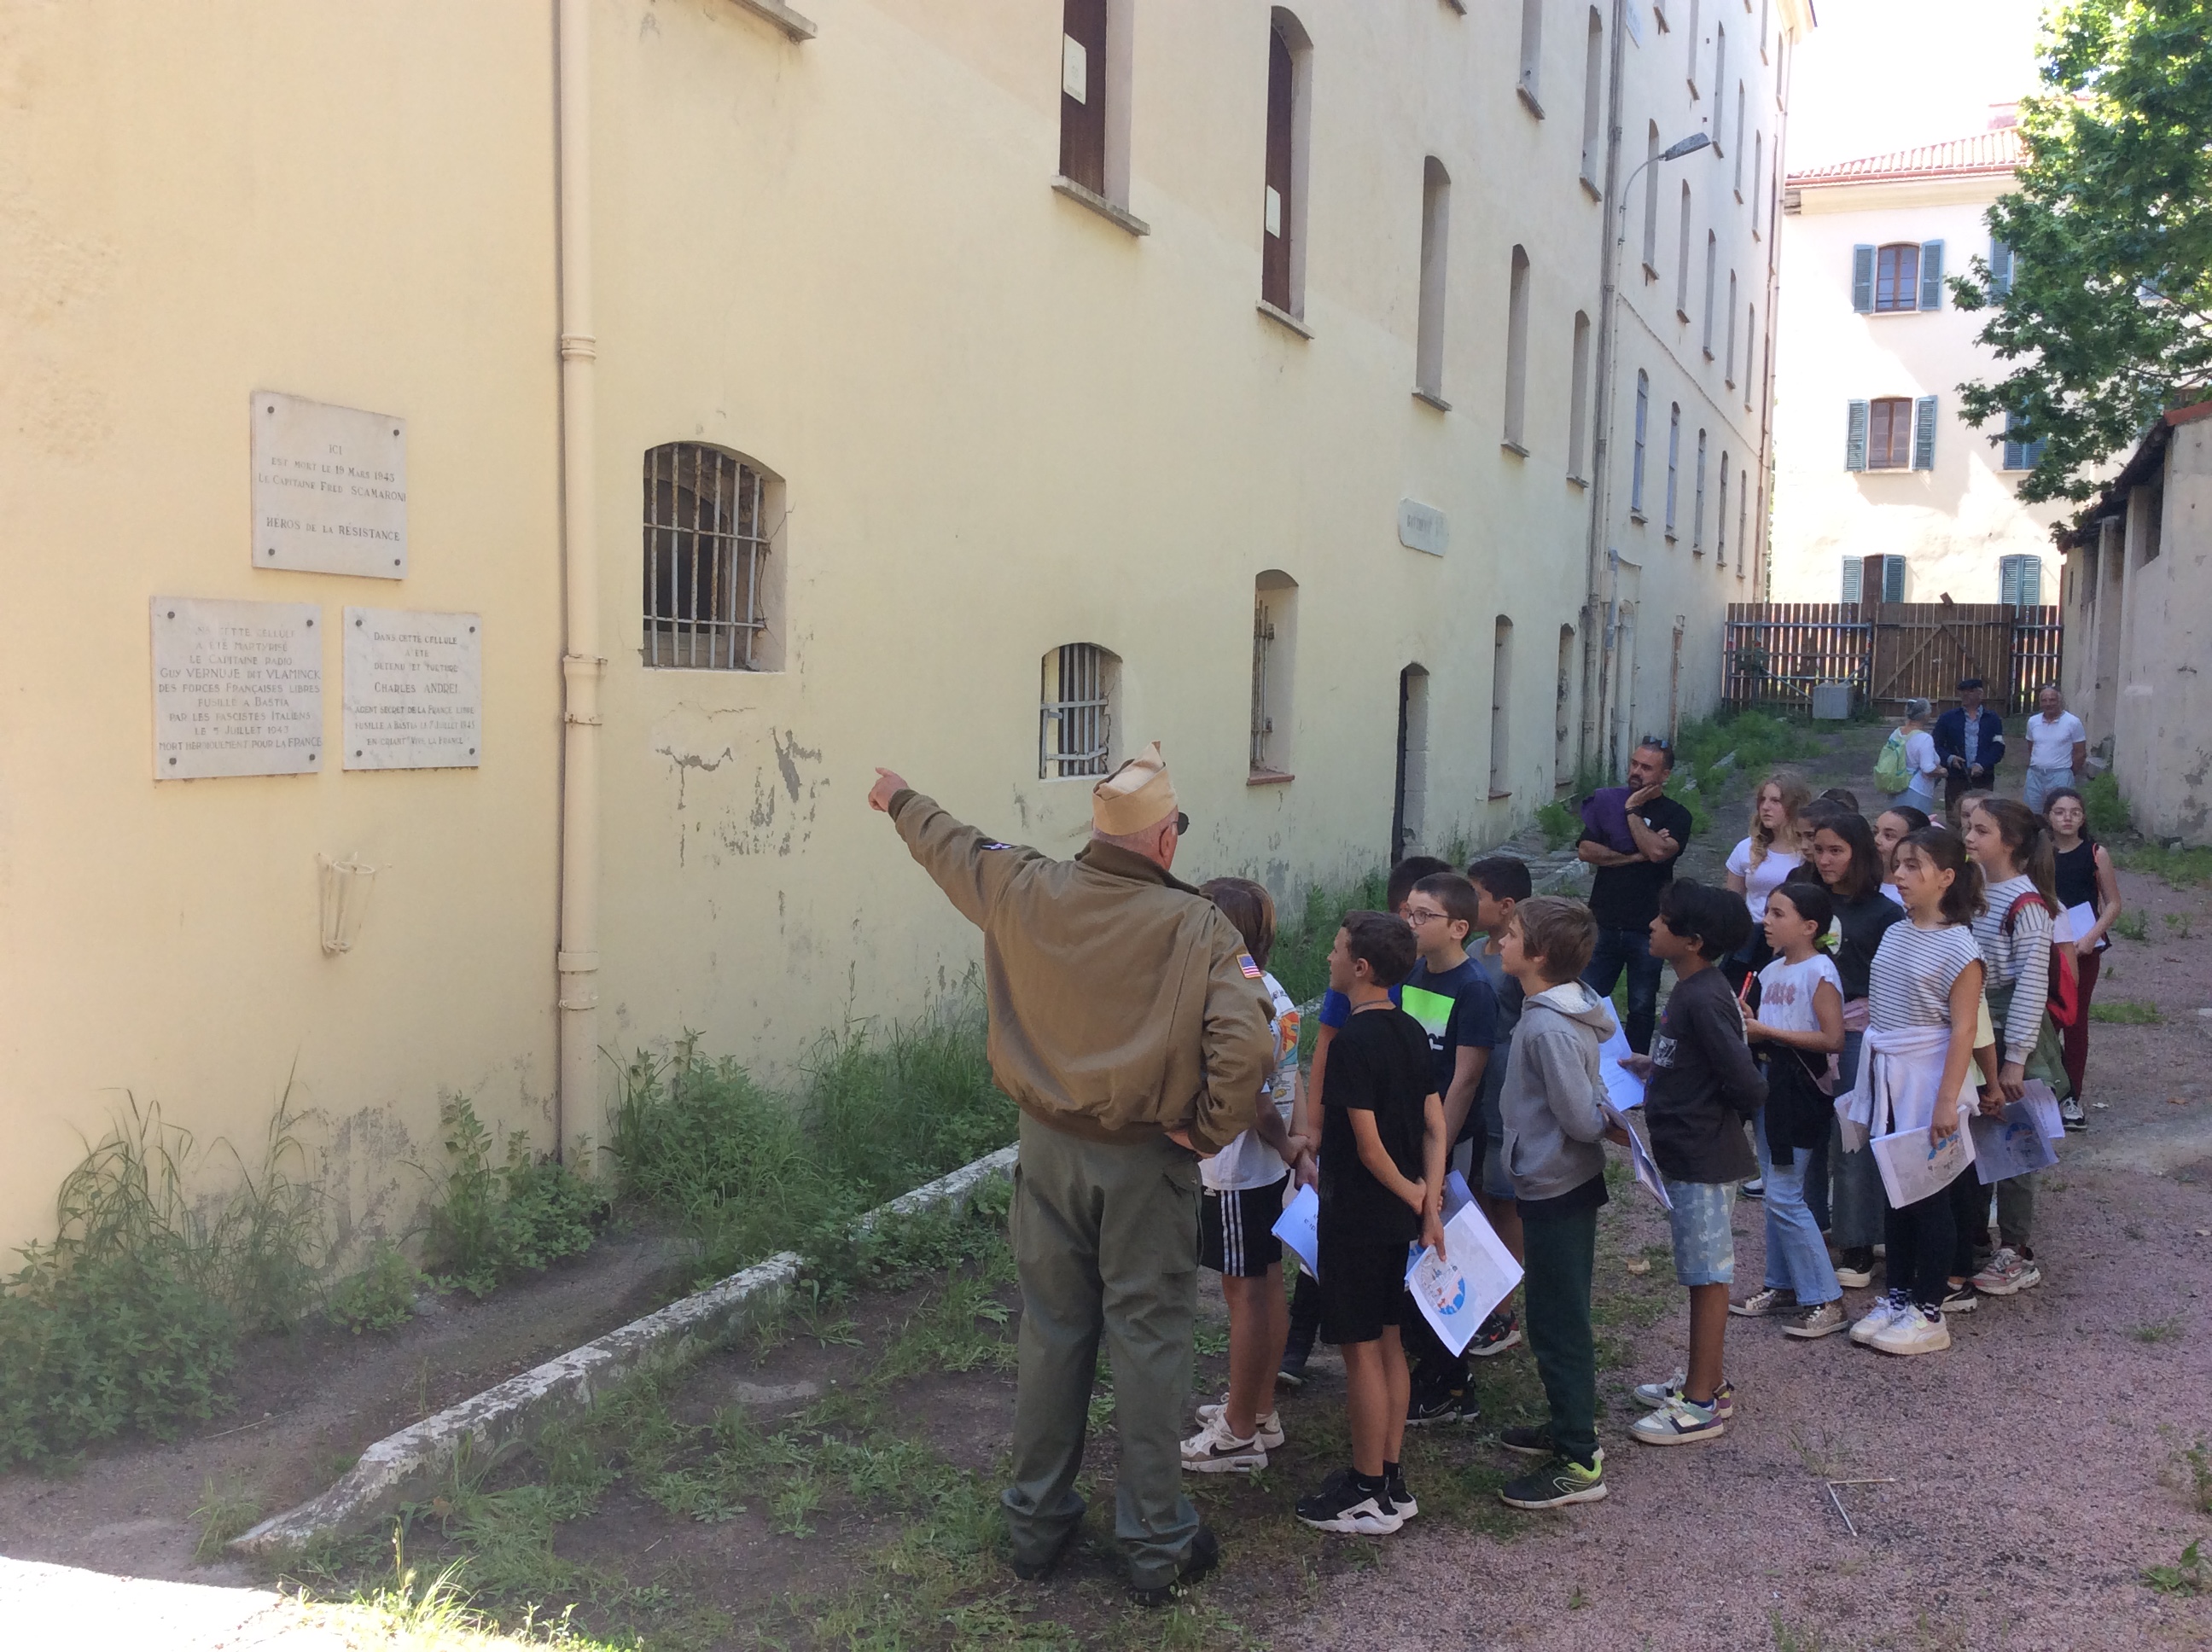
(1890, 653)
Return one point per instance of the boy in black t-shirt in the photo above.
(1382, 1187)
(1450, 996)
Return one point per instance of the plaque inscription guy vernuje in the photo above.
(414, 689)
(330, 488)
(237, 688)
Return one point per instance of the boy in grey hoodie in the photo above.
(1554, 1123)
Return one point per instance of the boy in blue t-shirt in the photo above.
(1449, 994)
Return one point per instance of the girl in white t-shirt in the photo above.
(1920, 759)
(1772, 852)
(1801, 1022)
(1245, 1184)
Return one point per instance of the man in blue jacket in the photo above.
(1971, 743)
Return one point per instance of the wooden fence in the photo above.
(1773, 654)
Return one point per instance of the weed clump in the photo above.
(382, 1297)
(490, 1223)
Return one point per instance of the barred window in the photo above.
(707, 576)
(1075, 726)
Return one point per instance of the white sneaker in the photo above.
(1914, 1331)
(1214, 1450)
(1267, 1430)
(1877, 1319)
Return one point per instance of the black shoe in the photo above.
(1402, 1500)
(1342, 1506)
(1557, 1483)
(1528, 1441)
(1501, 1331)
(1442, 1406)
(1205, 1555)
(1036, 1571)
(1292, 1374)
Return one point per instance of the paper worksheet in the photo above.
(1640, 1157)
(1299, 1227)
(1911, 1170)
(2075, 922)
(2036, 1096)
(1622, 1088)
(1456, 1291)
(1457, 1195)
(2010, 1145)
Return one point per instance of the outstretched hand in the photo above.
(887, 786)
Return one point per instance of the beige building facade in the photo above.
(1872, 459)
(977, 390)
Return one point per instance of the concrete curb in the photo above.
(403, 1463)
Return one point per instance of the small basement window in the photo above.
(1075, 723)
(712, 588)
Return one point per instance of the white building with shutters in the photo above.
(1882, 491)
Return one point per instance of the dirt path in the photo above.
(306, 1407)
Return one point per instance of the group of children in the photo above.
(1850, 982)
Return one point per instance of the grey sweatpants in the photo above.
(1106, 1242)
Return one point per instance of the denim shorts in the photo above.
(1704, 1244)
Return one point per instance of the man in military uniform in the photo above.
(1130, 1028)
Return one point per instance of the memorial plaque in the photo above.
(330, 488)
(237, 688)
(414, 689)
(1423, 527)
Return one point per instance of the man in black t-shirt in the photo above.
(1624, 898)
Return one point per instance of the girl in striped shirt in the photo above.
(2011, 846)
(1923, 1004)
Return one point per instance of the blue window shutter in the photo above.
(1892, 579)
(2031, 581)
(2008, 579)
(1863, 280)
(1924, 434)
(1853, 578)
(2000, 268)
(1854, 438)
(1931, 275)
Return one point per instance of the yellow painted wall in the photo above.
(1000, 424)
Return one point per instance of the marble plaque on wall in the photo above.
(414, 689)
(237, 688)
(330, 488)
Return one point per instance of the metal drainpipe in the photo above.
(580, 662)
(1597, 609)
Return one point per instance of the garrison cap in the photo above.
(1136, 795)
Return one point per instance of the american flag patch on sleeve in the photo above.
(1244, 963)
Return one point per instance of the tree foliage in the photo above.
(2109, 318)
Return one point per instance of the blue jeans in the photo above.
(2040, 783)
(1629, 950)
(1796, 1255)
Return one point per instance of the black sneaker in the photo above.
(1291, 1373)
(1036, 1571)
(1958, 1299)
(1557, 1483)
(1528, 1441)
(1205, 1555)
(1442, 1407)
(1402, 1500)
(1341, 1505)
(1495, 1335)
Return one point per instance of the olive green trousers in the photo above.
(1106, 1242)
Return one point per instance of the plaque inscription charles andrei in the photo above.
(414, 689)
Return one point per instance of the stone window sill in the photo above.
(1500, 797)
(1432, 399)
(1637, 517)
(1269, 777)
(1574, 481)
(1513, 447)
(1284, 317)
(1119, 216)
(1590, 189)
(1528, 97)
(798, 27)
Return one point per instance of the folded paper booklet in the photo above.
(2010, 1145)
(1639, 1156)
(1911, 1169)
(2036, 1096)
(1457, 1290)
(1622, 1088)
(1299, 1227)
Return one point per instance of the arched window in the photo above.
(1532, 55)
(1274, 668)
(1651, 153)
(712, 591)
(1516, 351)
(1593, 99)
(1682, 266)
(1578, 398)
(1075, 725)
(1698, 508)
(1673, 460)
(1563, 760)
(1636, 462)
(1429, 332)
(1501, 709)
(1290, 98)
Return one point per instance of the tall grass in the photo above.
(748, 1171)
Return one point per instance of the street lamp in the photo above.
(1597, 681)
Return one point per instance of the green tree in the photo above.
(2108, 318)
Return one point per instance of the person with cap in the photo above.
(1971, 742)
(1131, 1028)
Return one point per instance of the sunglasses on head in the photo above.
(1658, 743)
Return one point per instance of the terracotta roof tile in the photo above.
(1985, 152)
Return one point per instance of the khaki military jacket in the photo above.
(1121, 1001)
